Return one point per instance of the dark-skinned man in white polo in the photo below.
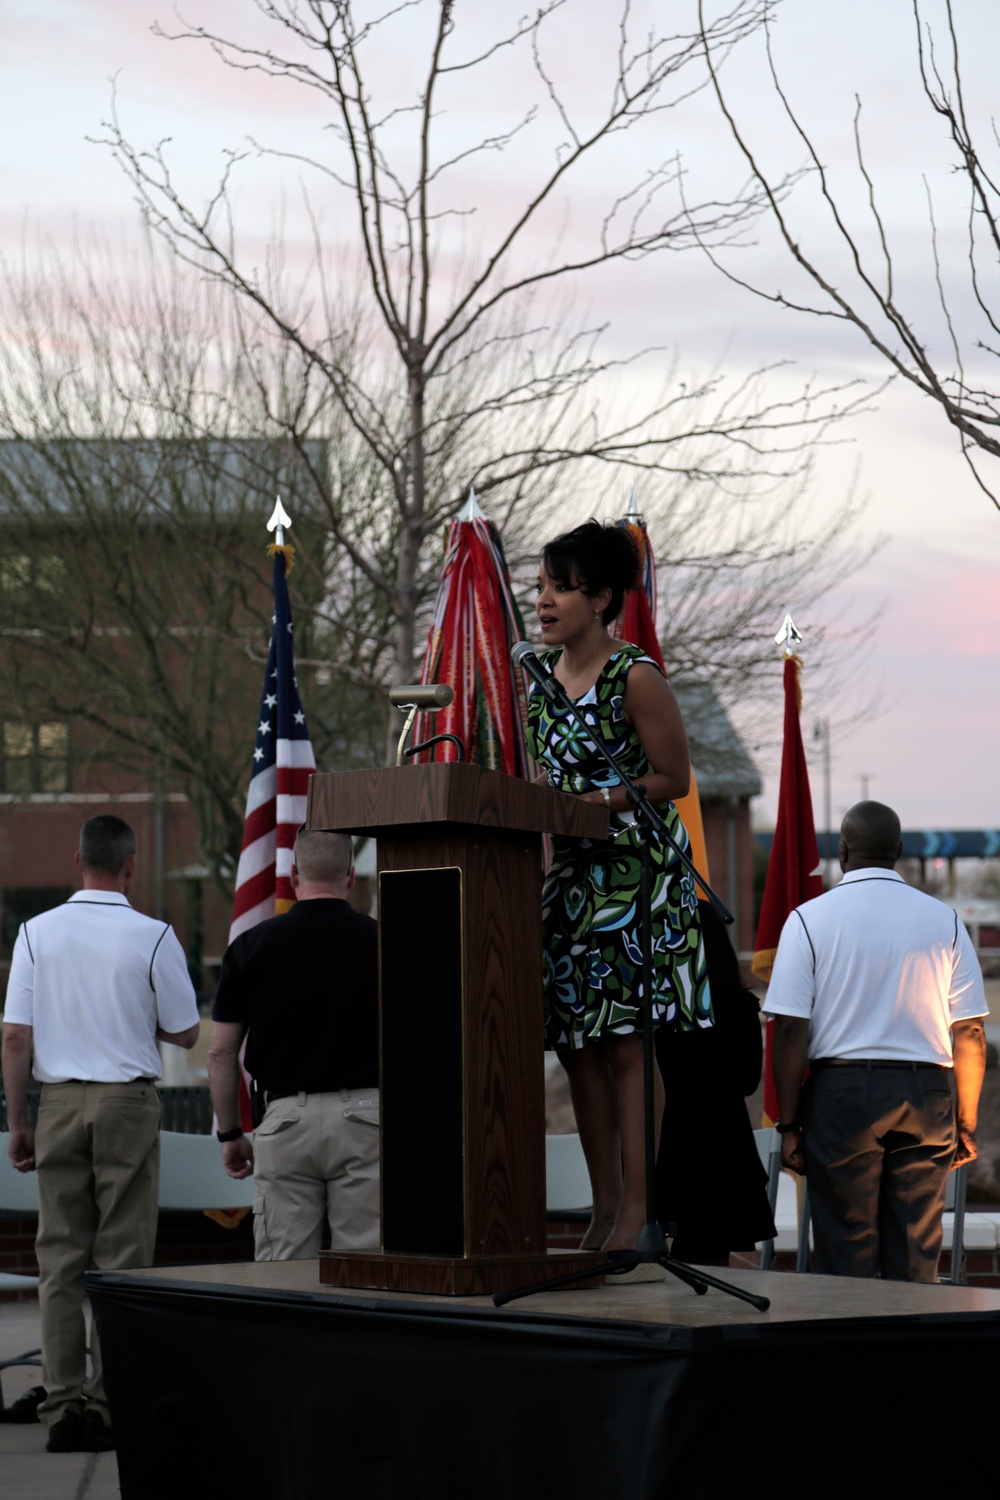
(877, 990)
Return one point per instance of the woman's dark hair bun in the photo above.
(595, 557)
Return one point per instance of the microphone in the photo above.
(426, 695)
(523, 655)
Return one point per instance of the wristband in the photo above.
(786, 1128)
(229, 1135)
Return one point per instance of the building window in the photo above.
(34, 757)
(23, 575)
(24, 902)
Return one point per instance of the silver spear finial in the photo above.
(788, 637)
(279, 520)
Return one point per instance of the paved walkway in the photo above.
(28, 1472)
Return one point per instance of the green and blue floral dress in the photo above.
(590, 900)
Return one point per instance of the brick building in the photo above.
(114, 621)
(135, 610)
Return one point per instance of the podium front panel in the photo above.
(460, 944)
(420, 969)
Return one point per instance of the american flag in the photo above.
(283, 761)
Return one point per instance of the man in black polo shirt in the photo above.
(303, 989)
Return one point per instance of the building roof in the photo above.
(210, 473)
(720, 759)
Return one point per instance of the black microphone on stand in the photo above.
(523, 655)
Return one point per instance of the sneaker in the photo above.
(97, 1435)
(66, 1435)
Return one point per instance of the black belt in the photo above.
(870, 1063)
(118, 1082)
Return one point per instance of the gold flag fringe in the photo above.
(288, 553)
(228, 1218)
(763, 963)
(798, 680)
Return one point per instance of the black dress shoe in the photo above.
(97, 1435)
(25, 1408)
(66, 1435)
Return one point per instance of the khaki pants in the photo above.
(98, 1151)
(316, 1156)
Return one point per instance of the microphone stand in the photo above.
(651, 1248)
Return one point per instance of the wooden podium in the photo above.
(460, 998)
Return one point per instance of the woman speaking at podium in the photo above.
(590, 901)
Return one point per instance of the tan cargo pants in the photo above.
(97, 1146)
(316, 1156)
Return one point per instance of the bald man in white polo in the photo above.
(877, 989)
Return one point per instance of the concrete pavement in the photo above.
(28, 1472)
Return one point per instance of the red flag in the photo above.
(476, 622)
(793, 874)
(637, 623)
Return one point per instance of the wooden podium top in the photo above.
(450, 792)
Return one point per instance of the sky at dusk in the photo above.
(933, 660)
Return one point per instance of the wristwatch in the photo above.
(229, 1135)
(785, 1127)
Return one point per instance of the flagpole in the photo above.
(282, 761)
(793, 872)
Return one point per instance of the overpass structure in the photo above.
(940, 846)
(921, 843)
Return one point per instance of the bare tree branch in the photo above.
(973, 410)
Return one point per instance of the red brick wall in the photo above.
(38, 837)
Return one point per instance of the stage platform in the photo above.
(292, 1390)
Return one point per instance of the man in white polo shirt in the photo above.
(877, 989)
(93, 986)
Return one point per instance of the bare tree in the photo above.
(145, 428)
(445, 364)
(945, 362)
(134, 587)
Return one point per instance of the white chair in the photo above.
(192, 1175)
(18, 1195)
(768, 1143)
(954, 1204)
(567, 1181)
(805, 1233)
